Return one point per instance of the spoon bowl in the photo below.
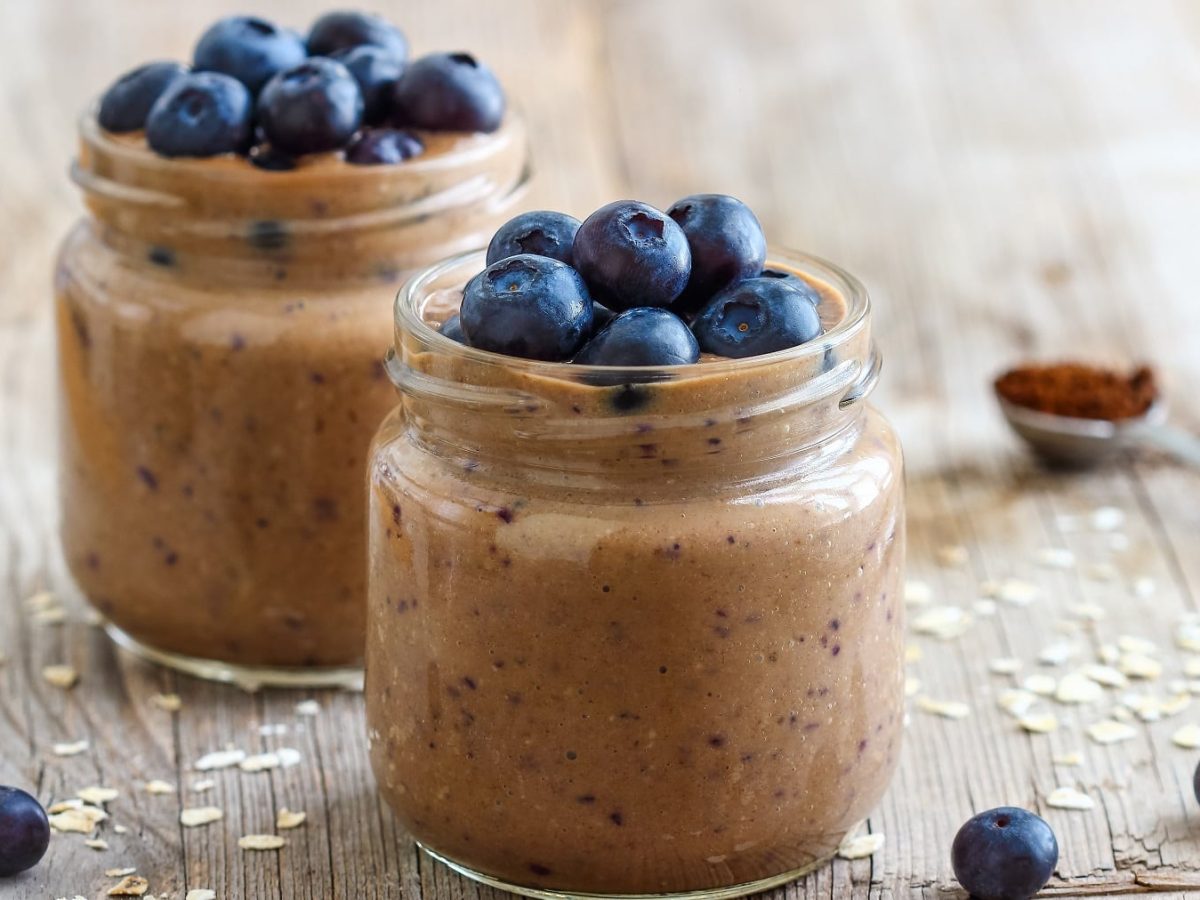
(1075, 442)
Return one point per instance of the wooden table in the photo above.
(1012, 179)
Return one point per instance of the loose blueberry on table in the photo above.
(24, 831)
(1004, 854)
(660, 287)
(274, 96)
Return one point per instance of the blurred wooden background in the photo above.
(1012, 178)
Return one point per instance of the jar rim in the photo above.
(407, 311)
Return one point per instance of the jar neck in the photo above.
(722, 422)
(326, 220)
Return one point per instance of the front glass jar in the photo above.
(634, 631)
(220, 332)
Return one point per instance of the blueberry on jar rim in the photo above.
(448, 92)
(126, 104)
(754, 317)
(376, 71)
(346, 29)
(383, 146)
(726, 241)
(631, 254)
(201, 114)
(248, 48)
(644, 336)
(312, 108)
(528, 306)
(540, 232)
(795, 281)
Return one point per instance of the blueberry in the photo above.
(1196, 784)
(448, 92)
(646, 336)
(266, 157)
(126, 104)
(249, 49)
(1004, 854)
(726, 241)
(529, 306)
(376, 71)
(601, 316)
(383, 146)
(337, 31)
(756, 316)
(312, 108)
(541, 232)
(630, 254)
(795, 281)
(201, 114)
(452, 328)
(24, 831)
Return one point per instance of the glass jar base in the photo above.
(248, 678)
(717, 893)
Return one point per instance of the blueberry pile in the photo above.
(634, 286)
(272, 94)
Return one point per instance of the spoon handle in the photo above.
(1183, 446)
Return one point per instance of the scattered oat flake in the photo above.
(1058, 653)
(985, 607)
(60, 676)
(159, 787)
(288, 756)
(1073, 758)
(272, 730)
(120, 829)
(947, 709)
(1070, 798)
(313, 708)
(196, 816)
(1187, 737)
(913, 653)
(96, 844)
(288, 819)
(97, 795)
(81, 820)
(167, 702)
(1040, 724)
(1129, 643)
(944, 622)
(1173, 706)
(201, 894)
(219, 759)
(261, 842)
(1109, 654)
(119, 873)
(70, 749)
(1055, 558)
(130, 886)
(916, 593)
(912, 686)
(952, 556)
(1078, 688)
(1089, 612)
(42, 600)
(862, 846)
(1135, 665)
(260, 762)
(1106, 518)
(1045, 685)
(204, 784)
(1143, 587)
(1106, 675)
(62, 805)
(1187, 635)
(1013, 591)
(1004, 665)
(1109, 732)
(1016, 702)
(55, 615)
(1101, 572)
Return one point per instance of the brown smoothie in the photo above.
(635, 639)
(220, 329)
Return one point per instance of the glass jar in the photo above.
(221, 331)
(634, 631)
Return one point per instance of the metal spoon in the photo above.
(1067, 441)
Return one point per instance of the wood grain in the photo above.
(1012, 178)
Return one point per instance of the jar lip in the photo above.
(407, 310)
(467, 147)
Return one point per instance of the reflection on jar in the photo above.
(220, 331)
(634, 636)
